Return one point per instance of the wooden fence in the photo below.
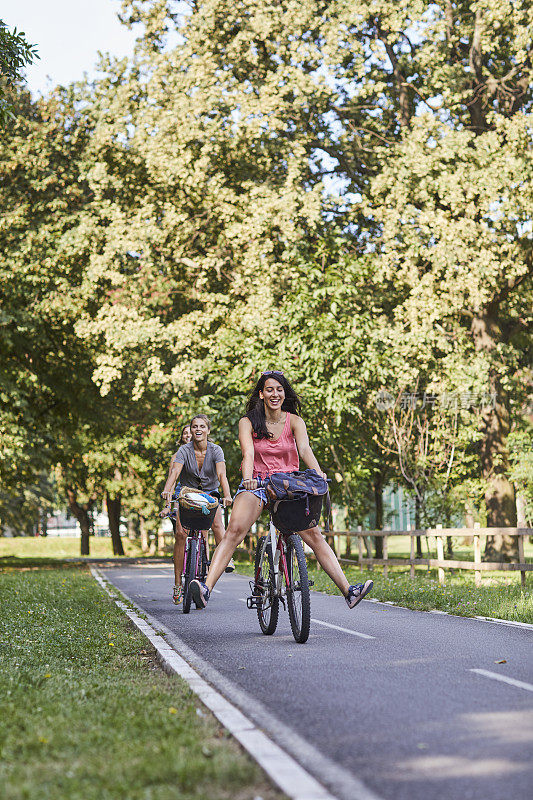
(441, 563)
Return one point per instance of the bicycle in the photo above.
(272, 584)
(196, 556)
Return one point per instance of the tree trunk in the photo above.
(521, 510)
(417, 527)
(499, 491)
(378, 505)
(469, 523)
(145, 546)
(113, 513)
(42, 522)
(476, 105)
(160, 542)
(132, 531)
(81, 512)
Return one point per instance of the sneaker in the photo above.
(177, 595)
(199, 593)
(357, 592)
(231, 566)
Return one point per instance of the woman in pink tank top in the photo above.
(273, 438)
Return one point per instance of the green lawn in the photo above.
(87, 714)
(62, 547)
(399, 547)
(500, 596)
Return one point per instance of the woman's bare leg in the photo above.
(326, 557)
(218, 526)
(246, 509)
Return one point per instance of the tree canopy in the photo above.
(340, 190)
(15, 54)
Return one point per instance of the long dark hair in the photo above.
(255, 407)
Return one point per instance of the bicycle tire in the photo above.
(298, 595)
(202, 561)
(190, 574)
(268, 611)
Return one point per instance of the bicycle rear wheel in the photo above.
(268, 609)
(190, 573)
(298, 595)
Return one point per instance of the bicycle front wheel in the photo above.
(202, 560)
(298, 595)
(268, 608)
(190, 573)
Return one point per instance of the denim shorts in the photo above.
(259, 493)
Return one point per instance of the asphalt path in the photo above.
(386, 693)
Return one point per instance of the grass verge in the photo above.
(53, 547)
(502, 597)
(89, 715)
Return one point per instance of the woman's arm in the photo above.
(247, 448)
(173, 475)
(302, 443)
(222, 477)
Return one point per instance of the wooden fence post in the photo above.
(412, 557)
(385, 555)
(477, 558)
(360, 549)
(522, 560)
(440, 556)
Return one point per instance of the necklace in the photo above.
(278, 422)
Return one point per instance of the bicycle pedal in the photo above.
(255, 601)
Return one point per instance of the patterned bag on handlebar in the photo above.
(295, 499)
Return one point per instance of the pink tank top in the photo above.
(280, 455)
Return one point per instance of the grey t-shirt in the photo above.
(207, 478)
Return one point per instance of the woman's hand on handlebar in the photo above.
(227, 501)
(250, 483)
(166, 496)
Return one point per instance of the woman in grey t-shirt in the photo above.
(198, 464)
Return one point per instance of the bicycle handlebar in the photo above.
(173, 505)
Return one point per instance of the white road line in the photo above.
(291, 778)
(217, 591)
(344, 630)
(504, 679)
(336, 627)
